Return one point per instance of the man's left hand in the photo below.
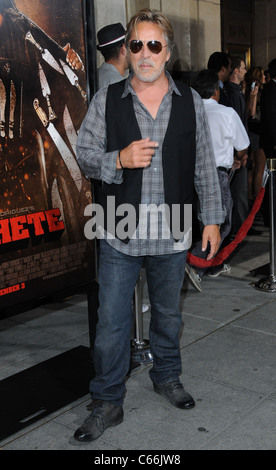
(211, 234)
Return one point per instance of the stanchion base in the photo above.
(140, 351)
(266, 284)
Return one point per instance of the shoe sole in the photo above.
(116, 423)
(194, 283)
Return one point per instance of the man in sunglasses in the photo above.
(147, 140)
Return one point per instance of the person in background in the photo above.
(228, 133)
(267, 76)
(111, 40)
(254, 80)
(234, 89)
(220, 62)
(239, 183)
(147, 139)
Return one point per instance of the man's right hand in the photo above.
(138, 154)
(240, 162)
(244, 160)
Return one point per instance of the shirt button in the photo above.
(154, 169)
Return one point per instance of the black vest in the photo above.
(178, 151)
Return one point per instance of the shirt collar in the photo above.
(209, 101)
(233, 84)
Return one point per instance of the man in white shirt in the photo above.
(228, 134)
(112, 46)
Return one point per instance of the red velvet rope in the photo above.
(227, 250)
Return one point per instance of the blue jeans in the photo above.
(118, 274)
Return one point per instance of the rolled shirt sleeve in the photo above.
(92, 157)
(206, 177)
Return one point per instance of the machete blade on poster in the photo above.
(43, 194)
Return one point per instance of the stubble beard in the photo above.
(154, 74)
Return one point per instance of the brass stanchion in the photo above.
(140, 351)
(268, 284)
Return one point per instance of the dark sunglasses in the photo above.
(154, 46)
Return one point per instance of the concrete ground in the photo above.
(228, 349)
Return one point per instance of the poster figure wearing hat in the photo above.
(111, 40)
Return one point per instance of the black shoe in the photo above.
(102, 417)
(176, 394)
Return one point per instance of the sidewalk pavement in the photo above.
(228, 349)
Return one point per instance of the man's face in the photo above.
(147, 65)
(241, 72)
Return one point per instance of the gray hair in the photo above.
(151, 16)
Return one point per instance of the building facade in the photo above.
(244, 27)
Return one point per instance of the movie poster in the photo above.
(43, 194)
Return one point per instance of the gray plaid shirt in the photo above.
(96, 163)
